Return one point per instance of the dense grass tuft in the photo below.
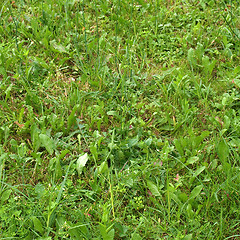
(119, 119)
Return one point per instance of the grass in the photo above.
(119, 119)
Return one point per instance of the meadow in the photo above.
(119, 119)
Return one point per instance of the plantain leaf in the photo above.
(196, 191)
(153, 188)
(81, 162)
(37, 224)
(47, 142)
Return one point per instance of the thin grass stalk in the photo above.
(168, 192)
(58, 198)
(85, 32)
(130, 61)
(97, 64)
(16, 29)
(156, 18)
(77, 35)
(110, 177)
(2, 172)
(111, 180)
(116, 41)
(66, 12)
(21, 72)
(228, 23)
(97, 31)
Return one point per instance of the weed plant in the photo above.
(119, 119)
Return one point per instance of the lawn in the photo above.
(119, 119)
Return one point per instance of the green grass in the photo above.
(119, 119)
